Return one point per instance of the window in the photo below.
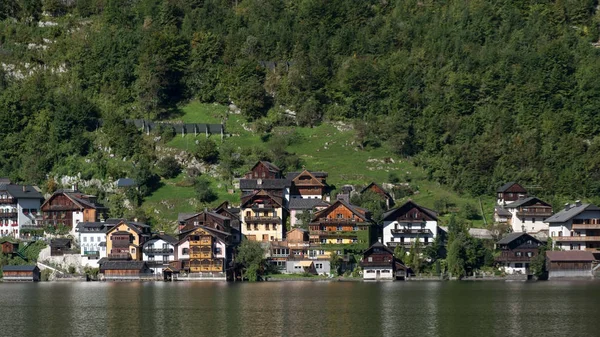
(392, 239)
(339, 216)
(267, 227)
(370, 259)
(339, 240)
(518, 254)
(185, 251)
(339, 228)
(274, 227)
(319, 265)
(529, 254)
(84, 239)
(559, 233)
(533, 220)
(248, 227)
(518, 265)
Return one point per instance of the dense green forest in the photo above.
(476, 92)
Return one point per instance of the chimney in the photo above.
(567, 206)
(259, 181)
(161, 232)
(24, 188)
(379, 239)
(577, 203)
(74, 187)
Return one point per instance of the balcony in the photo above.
(394, 244)
(514, 258)
(575, 238)
(333, 233)
(262, 219)
(534, 213)
(30, 226)
(159, 263)
(8, 201)
(410, 220)
(200, 255)
(119, 256)
(336, 220)
(411, 231)
(8, 215)
(158, 251)
(587, 226)
(91, 254)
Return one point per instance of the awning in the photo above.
(305, 263)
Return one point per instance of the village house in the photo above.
(124, 270)
(30, 273)
(341, 226)
(262, 217)
(124, 241)
(510, 192)
(576, 227)
(525, 215)
(264, 170)
(308, 185)
(298, 208)
(404, 225)
(570, 264)
(159, 251)
(92, 240)
(517, 250)
(70, 207)
(233, 213)
(378, 190)
(19, 208)
(379, 263)
(61, 246)
(208, 253)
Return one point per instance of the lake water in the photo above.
(301, 309)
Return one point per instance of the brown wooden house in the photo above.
(379, 263)
(60, 247)
(375, 188)
(9, 247)
(69, 207)
(510, 192)
(209, 250)
(123, 270)
(125, 240)
(264, 170)
(517, 250)
(307, 184)
(21, 273)
(210, 219)
(570, 264)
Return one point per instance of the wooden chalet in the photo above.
(510, 192)
(516, 252)
(124, 270)
(30, 273)
(233, 213)
(209, 250)
(9, 247)
(69, 207)
(409, 223)
(307, 184)
(342, 225)
(124, 241)
(262, 216)
(379, 263)
(60, 247)
(264, 170)
(375, 188)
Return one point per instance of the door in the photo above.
(378, 274)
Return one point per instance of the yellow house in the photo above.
(262, 216)
(208, 249)
(124, 241)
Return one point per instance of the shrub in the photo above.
(168, 167)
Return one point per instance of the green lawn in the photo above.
(322, 148)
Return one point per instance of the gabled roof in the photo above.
(510, 237)
(356, 210)
(526, 202)
(570, 255)
(270, 166)
(574, 210)
(387, 195)
(182, 217)
(314, 174)
(502, 212)
(261, 193)
(164, 237)
(22, 191)
(380, 246)
(299, 203)
(135, 226)
(313, 179)
(406, 207)
(213, 232)
(60, 242)
(85, 227)
(78, 198)
(19, 268)
(508, 185)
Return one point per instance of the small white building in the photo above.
(379, 263)
(158, 251)
(404, 225)
(92, 241)
(528, 215)
(19, 207)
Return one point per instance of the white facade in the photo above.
(578, 232)
(515, 268)
(378, 273)
(92, 243)
(158, 253)
(528, 224)
(183, 251)
(77, 218)
(406, 233)
(26, 209)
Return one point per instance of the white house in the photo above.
(404, 225)
(528, 215)
(19, 207)
(297, 207)
(158, 251)
(92, 241)
(576, 227)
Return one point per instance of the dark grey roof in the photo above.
(510, 237)
(60, 242)
(524, 201)
(125, 182)
(270, 184)
(102, 244)
(181, 217)
(122, 265)
(502, 212)
(94, 227)
(297, 203)
(574, 210)
(165, 237)
(19, 268)
(430, 212)
(16, 191)
(506, 186)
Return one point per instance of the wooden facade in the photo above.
(374, 188)
(308, 184)
(208, 219)
(60, 247)
(203, 252)
(62, 208)
(510, 192)
(124, 241)
(379, 263)
(21, 273)
(124, 270)
(341, 223)
(264, 170)
(9, 247)
(518, 248)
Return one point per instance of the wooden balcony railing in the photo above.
(405, 244)
(158, 251)
(8, 215)
(262, 219)
(333, 233)
(575, 238)
(119, 256)
(586, 226)
(7, 201)
(411, 231)
(531, 213)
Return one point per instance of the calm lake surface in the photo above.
(301, 309)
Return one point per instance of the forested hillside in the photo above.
(476, 92)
